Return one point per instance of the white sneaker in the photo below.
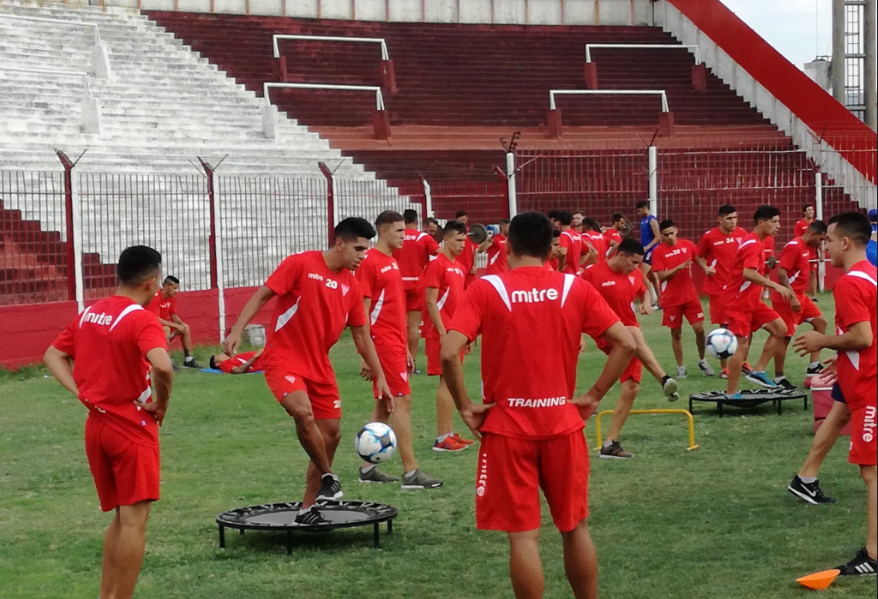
(681, 372)
(705, 368)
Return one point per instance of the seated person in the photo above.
(165, 307)
(239, 363)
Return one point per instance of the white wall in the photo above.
(521, 12)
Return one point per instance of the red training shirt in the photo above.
(108, 343)
(381, 281)
(599, 243)
(619, 290)
(795, 259)
(163, 308)
(466, 259)
(719, 249)
(414, 256)
(856, 298)
(573, 242)
(800, 227)
(531, 320)
(239, 360)
(679, 289)
(750, 255)
(497, 259)
(447, 277)
(313, 307)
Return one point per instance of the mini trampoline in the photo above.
(750, 399)
(277, 517)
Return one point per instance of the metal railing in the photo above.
(91, 109)
(379, 97)
(609, 92)
(694, 48)
(329, 38)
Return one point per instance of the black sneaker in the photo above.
(416, 371)
(330, 488)
(174, 367)
(311, 517)
(191, 363)
(808, 492)
(785, 384)
(862, 565)
(813, 371)
(615, 452)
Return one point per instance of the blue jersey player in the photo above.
(650, 237)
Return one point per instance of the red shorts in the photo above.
(396, 371)
(718, 310)
(632, 372)
(323, 395)
(511, 471)
(672, 316)
(744, 324)
(864, 420)
(124, 472)
(434, 363)
(809, 311)
(414, 300)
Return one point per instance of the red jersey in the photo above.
(381, 281)
(855, 301)
(108, 343)
(619, 290)
(572, 241)
(497, 259)
(800, 228)
(467, 258)
(552, 264)
(531, 321)
(414, 256)
(768, 247)
(612, 236)
(679, 289)
(750, 255)
(719, 249)
(447, 277)
(313, 307)
(599, 243)
(161, 307)
(795, 259)
(239, 360)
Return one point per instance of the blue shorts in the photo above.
(647, 256)
(837, 394)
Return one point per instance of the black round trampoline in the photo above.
(277, 517)
(749, 399)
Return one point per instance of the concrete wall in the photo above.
(521, 12)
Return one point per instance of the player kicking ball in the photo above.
(672, 264)
(747, 313)
(530, 423)
(317, 295)
(116, 347)
(384, 300)
(856, 302)
(620, 281)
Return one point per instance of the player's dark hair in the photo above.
(460, 213)
(530, 234)
(138, 263)
(617, 216)
(352, 229)
(553, 214)
(726, 209)
(431, 221)
(171, 279)
(631, 247)
(666, 224)
(212, 363)
(565, 218)
(388, 217)
(410, 216)
(765, 213)
(592, 224)
(642, 204)
(853, 225)
(805, 208)
(818, 227)
(579, 212)
(556, 233)
(453, 227)
(504, 221)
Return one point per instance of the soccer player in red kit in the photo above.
(531, 422)
(613, 235)
(116, 347)
(808, 216)
(444, 282)
(856, 298)
(620, 282)
(496, 249)
(384, 302)
(238, 364)
(672, 264)
(553, 263)
(413, 257)
(793, 270)
(596, 241)
(467, 257)
(747, 314)
(317, 296)
(571, 245)
(164, 306)
(716, 257)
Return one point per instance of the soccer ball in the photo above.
(376, 443)
(721, 344)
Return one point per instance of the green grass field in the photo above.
(716, 523)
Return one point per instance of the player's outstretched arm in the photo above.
(452, 371)
(59, 366)
(251, 309)
(162, 380)
(366, 349)
(858, 338)
(623, 347)
(243, 368)
(645, 355)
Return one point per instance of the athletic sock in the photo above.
(608, 443)
(412, 473)
(441, 438)
(305, 510)
(813, 364)
(808, 480)
(367, 468)
(779, 378)
(188, 359)
(186, 354)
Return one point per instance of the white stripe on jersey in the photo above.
(568, 284)
(441, 303)
(497, 284)
(861, 275)
(284, 318)
(376, 309)
(84, 314)
(125, 312)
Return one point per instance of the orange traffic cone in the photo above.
(819, 580)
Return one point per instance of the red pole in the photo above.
(330, 201)
(211, 240)
(68, 212)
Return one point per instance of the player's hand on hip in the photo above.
(158, 412)
(474, 417)
(365, 371)
(830, 367)
(587, 404)
(807, 343)
(231, 343)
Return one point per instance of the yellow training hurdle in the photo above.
(686, 413)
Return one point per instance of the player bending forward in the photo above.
(317, 295)
(530, 319)
(116, 346)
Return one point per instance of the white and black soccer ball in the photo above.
(376, 443)
(721, 344)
